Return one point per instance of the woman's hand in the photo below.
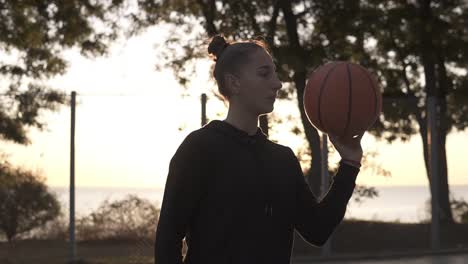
(349, 149)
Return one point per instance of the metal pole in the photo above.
(326, 250)
(432, 136)
(72, 180)
(203, 109)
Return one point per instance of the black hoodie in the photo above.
(237, 199)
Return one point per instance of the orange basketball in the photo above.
(342, 99)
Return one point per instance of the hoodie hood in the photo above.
(237, 134)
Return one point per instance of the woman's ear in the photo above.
(232, 83)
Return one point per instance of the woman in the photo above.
(234, 195)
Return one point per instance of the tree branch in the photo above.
(208, 10)
(291, 24)
(272, 24)
(251, 15)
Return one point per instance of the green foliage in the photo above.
(418, 49)
(362, 192)
(33, 35)
(24, 110)
(385, 36)
(460, 210)
(130, 218)
(56, 229)
(415, 48)
(25, 202)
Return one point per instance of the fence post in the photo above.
(203, 109)
(72, 180)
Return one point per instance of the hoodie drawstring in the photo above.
(269, 209)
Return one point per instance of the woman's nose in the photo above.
(278, 86)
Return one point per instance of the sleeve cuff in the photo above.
(347, 172)
(351, 163)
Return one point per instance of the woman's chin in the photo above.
(267, 110)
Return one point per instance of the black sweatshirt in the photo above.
(237, 199)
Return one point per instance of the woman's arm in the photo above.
(315, 221)
(181, 197)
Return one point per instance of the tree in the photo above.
(296, 31)
(25, 202)
(401, 41)
(423, 40)
(33, 35)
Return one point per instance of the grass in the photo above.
(55, 252)
(351, 237)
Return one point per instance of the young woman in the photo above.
(234, 195)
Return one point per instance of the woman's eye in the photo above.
(264, 73)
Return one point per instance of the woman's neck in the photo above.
(242, 120)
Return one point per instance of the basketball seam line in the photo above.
(320, 96)
(374, 90)
(350, 99)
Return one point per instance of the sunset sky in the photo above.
(128, 121)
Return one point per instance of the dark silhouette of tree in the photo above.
(402, 42)
(33, 35)
(420, 51)
(296, 47)
(25, 202)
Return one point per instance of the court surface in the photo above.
(439, 259)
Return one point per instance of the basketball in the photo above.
(342, 99)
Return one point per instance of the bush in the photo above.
(459, 210)
(56, 229)
(25, 202)
(128, 219)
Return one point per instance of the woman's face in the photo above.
(258, 84)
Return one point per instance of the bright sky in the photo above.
(129, 115)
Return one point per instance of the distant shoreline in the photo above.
(162, 188)
(406, 204)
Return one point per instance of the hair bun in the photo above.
(217, 45)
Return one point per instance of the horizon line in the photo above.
(162, 188)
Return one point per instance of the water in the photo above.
(408, 204)
(404, 204)
(88, 199)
